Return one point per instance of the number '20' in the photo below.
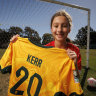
(19, 92)
(14, 90)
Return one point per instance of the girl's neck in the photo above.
(61, 45)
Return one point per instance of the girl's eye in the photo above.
(56, 26)
(64, 26)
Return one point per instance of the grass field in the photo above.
(91, 72)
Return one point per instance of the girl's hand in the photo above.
(72, 55)
(14, 38)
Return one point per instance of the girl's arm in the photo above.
(72, 55)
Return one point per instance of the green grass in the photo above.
(91, 71)
(2, 52)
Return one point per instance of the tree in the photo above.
(93, 40)
(15, 30)
(32, 35)
(28, 32)
(81, 37)
(5, 35)
(93, 37)
(4, 38)
(46, 38)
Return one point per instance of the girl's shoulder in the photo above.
(51, 44)
(72, 46)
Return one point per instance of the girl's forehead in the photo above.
(62, 19)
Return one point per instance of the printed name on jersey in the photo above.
(34, 60)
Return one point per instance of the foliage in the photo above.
(46, 38)
(15, 30)
(32, 35)
(28, 32)
(5, 35)
(4, 38)
(81, 37)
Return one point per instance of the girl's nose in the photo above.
(59, 28)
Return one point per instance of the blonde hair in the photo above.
(62, 13)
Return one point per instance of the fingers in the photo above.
(69, 51)
(17, 35)
(71, 54)
(14, 38)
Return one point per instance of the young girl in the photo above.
(61, 24)
(37, 71)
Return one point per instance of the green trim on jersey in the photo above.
(40, 45)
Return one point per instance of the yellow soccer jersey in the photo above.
(38, 71)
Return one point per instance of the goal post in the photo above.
(88, 27)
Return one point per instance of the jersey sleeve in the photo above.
(6, 60)
(79, 60)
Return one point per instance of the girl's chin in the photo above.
(60, 39)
